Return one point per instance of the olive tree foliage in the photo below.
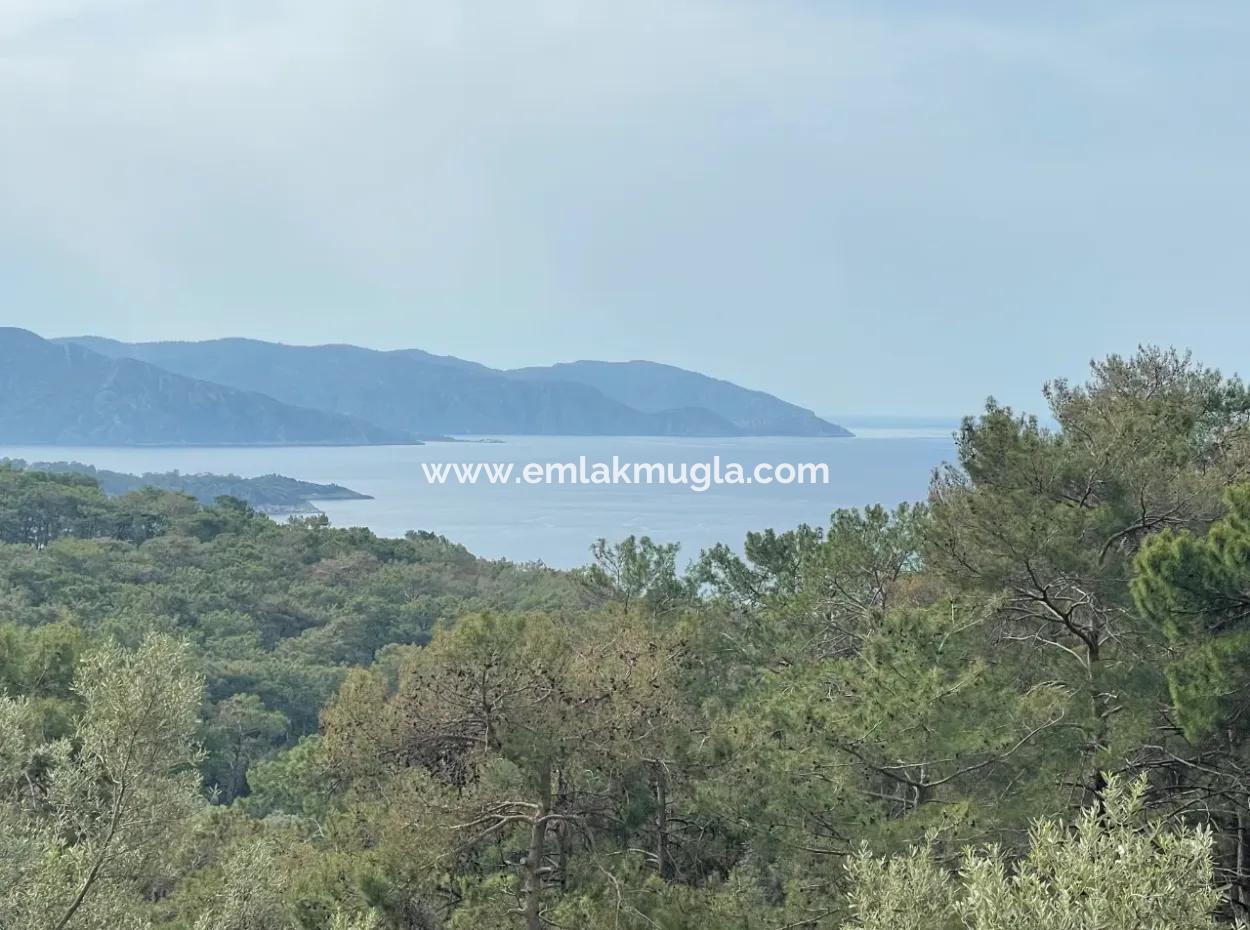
(344, 921)
(251, 895)
(1110, 870)
(88, 823)
(254, 892)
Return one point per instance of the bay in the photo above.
(557, 523)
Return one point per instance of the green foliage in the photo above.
(37, 508)
(251, 895)
(1197, 590)
(240, 731)
(524, 735)
(275, 613)
(1049, 523)
(399, 736)
(275, 493)
(1111, 870)
(637, 571)
(87, 824)
(39, 665)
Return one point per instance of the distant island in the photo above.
(273, 494)
(88, 390)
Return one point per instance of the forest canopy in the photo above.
(1020, 703)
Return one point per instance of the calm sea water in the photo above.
(553, 523)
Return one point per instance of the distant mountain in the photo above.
(68, 394)
(651, 387)
(267, 493)
(416, 392)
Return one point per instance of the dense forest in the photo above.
(1021, 703)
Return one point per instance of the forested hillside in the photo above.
(267, 493)
(1021, 703)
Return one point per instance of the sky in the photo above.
(877, 208)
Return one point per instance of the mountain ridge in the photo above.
(418, 392)
(646, 385)
(397, 390)
(63, 393)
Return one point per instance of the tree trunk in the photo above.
(663, 858)
(1238, 890)
(1101, 705)
(532, 889)
(564, 838)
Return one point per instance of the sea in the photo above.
(556, 523)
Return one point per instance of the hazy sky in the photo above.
(864, 207)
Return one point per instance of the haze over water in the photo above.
(556, 524)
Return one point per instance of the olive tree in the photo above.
(1110, 870)
(87, 823)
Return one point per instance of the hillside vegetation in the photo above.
(1020, 703)
(267, 493)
